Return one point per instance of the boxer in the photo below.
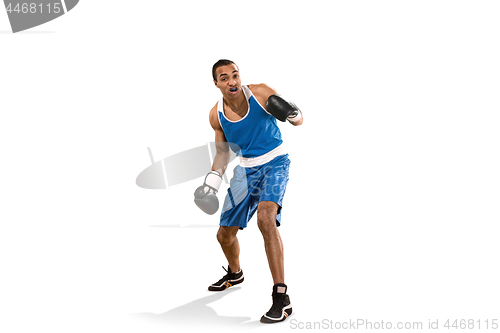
(246, 117)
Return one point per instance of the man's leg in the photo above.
(266, 220)
(229, 243)
(230, 246)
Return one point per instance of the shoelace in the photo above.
(277, 306)
(224, 278)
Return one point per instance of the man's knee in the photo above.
(225, 236)
(266, 218)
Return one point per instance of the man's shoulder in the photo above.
(261, 88)
(214, 117)
(262, 92)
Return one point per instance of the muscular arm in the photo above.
(221, 159)
(262, 92)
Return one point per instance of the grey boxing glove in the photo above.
(282, 109)
(205, 196)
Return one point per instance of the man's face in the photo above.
(228, 81)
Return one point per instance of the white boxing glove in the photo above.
(205, 196)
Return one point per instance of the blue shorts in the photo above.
(249, 186)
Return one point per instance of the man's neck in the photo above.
(236, 104)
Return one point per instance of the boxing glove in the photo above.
(205, 196)
(282, 109)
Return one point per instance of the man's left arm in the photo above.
(276, 105)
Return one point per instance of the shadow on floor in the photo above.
(185, 226)
(198, 314)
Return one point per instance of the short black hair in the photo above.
(220, 63)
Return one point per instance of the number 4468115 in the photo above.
(471, 324)
(34, 8)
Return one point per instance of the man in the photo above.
(245, 120)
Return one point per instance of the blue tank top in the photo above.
(256, 134)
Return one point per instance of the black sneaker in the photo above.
(281, 307)
(228, 280)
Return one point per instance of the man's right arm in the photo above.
(205, 196)
(221, 159)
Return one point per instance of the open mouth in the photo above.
(233, 90)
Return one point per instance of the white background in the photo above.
(392, 209)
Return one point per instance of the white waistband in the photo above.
(248, 162)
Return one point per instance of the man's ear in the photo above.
(215, 82)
